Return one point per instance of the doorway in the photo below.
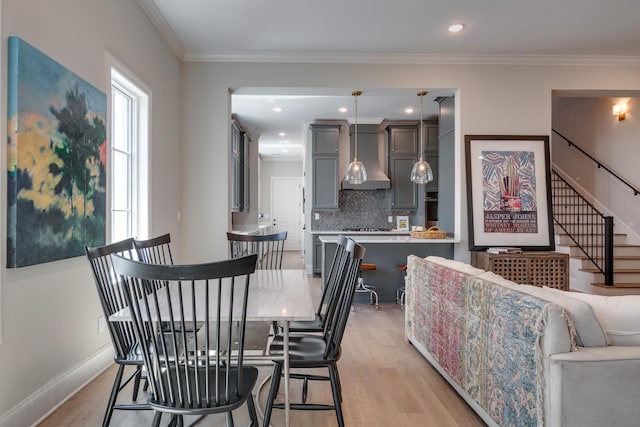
(286, 210)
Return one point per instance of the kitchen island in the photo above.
(387, 251)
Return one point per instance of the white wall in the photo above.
(49, 312)
(490, 99)
(589, 123)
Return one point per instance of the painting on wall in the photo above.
(509, 191)
(56, 135)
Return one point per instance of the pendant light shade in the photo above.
(421, 172)
(356, 173)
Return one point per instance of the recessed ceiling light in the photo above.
(455, 28)
(408, 110)
(282, 134)
(277, 109)
(285, 151)
(343, 109)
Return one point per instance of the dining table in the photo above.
(280, 296)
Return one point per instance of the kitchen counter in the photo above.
(387, 251)
(250, 228)
(359, 233)
(385, 237)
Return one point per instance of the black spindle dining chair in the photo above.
(192, 371)
(319, 351)
(268, 247)
(330, 292)
(156, 250)
(112, 299)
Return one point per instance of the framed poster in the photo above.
(509, 192)
(402, 223)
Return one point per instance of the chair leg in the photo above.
(136, 382)
(333, 374)
(251, 407)
(339, 383)
(112, 398)
(157, 416)
(229, 419)
(273, 392)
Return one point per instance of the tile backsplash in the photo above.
(359, 209)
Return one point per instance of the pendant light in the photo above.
(421, 172)
(356, 173)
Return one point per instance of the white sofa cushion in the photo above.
(455, 265)
(619, 315)
(589, 332)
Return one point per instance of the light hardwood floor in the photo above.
(385, 381)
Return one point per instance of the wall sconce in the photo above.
(620, 110)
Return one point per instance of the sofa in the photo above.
(521, 355)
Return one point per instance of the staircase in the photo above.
(581, 231)
(602, 260)
(584, 276)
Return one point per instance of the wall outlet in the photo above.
(101, 324)
(316, 216)
(390, 219)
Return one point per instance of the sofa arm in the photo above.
(595, 386)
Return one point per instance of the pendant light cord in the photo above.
(421, 95)
(356, 93)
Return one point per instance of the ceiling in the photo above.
(402, 31)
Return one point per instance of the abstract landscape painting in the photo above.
(56, 160)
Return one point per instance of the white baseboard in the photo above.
(35, 408)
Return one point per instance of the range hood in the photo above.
(372, 155)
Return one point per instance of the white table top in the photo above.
(274, 295)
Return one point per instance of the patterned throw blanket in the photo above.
(486, 337)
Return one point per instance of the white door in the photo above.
(286, 210)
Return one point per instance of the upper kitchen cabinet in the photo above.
(403, 153)
(431, 151)
(403, 140)
(240, 170)
(446, 157)
(246, 171)
(325, 140)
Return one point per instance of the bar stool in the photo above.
(366, 288)
(400, 291)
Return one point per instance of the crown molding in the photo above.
(161, 24)
(389, 58)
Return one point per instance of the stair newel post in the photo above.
(608, 250)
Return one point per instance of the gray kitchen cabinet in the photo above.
(325, 140)
(235, 181)
(446, 156)
(403, 140)
(317, 254)
(403, 153)
(240, 169)
(246, 171)
(404, 193)
(431, 152)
